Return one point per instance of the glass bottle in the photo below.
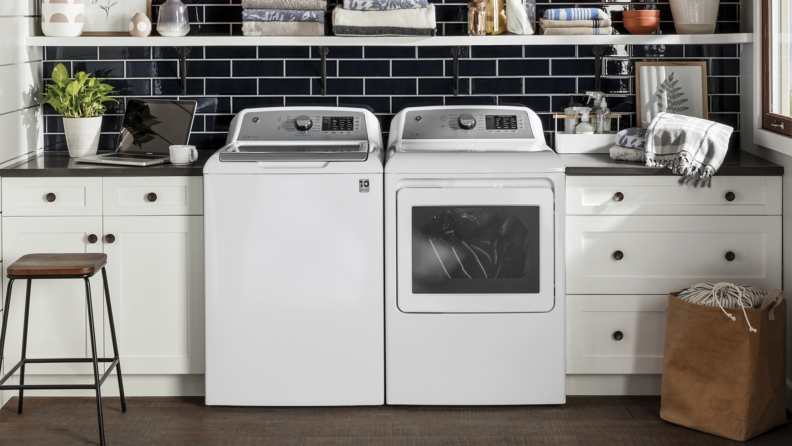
(496, 17)
(477, 19)
(173, 20)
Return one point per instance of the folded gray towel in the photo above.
(282, 15)
(601, 23)
(299, 5)
(691, 147)
(283, 29)
(605, 31)
(398, 22)
(634, 138)
(384, 5)
(620, 153)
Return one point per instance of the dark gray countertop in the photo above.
(59, 164)
(739, 164)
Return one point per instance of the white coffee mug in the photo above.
(183, 154)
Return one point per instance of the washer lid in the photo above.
(340, 151)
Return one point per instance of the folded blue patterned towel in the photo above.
(576, 14)
(282, 15)
(632, 138)
(384, 5)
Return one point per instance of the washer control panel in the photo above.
(467, 123)
(278, 125)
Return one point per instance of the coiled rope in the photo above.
(726, 295)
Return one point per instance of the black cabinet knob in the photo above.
(730, 196)
(618, 255)
(618, 196)
(109, 238)
(93, 239)
(51, 197)
(152, 197)
(618, 335)
(730, 256)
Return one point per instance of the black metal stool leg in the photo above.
(95, 361)
(24, 344)
(115, 342)
(5, 320)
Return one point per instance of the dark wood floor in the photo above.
(606, 421)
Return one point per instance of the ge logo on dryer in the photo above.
(363, 185)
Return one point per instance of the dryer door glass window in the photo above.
(475, 249)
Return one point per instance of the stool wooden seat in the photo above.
(62, 266)
(33, 265)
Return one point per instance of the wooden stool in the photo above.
(62, 266)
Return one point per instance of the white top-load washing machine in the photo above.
(294, 260)
(474, 269)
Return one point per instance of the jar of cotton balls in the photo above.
(140, 25)
(173, 20)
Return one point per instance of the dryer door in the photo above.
(472, 250)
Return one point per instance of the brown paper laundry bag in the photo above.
(721, 378)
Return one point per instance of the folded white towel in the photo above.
(600, 23)
(397, 22)
(691, 147)
(283, 28)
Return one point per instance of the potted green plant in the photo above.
(81, 102)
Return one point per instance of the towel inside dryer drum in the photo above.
(478, 249)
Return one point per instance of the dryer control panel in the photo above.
(297, 124)
(467, 123)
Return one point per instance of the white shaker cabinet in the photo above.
(156, 291)
(151, 229)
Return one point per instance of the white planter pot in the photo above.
(62, 18)
(82, 135)
(695, 16)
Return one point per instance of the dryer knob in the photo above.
(467, 121)
(303, 123)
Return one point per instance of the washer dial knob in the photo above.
(303, 123)
(467, 121)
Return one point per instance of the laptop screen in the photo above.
(152, 126)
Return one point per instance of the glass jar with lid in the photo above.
(477, 19)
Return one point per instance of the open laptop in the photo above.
(150, 127)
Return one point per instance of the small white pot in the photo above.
(82, 135)
(695, 16)
(62, 18)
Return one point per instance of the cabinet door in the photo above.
(155, 268)
(58, 325)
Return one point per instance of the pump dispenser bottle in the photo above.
(603, 118)
(584, 128)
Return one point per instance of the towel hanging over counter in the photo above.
(399, 22)
(384, 5)
(283, 29)
(691, 147)
(299, 5)
(575, 14)
(282, 15)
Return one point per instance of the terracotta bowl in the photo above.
(641, 25)
(642, 13)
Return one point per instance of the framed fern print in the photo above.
(672, 87)
(111, 17)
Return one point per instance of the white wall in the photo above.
(21, 129)
(777, 149)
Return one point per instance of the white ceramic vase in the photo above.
(140, 25)
(82, 135)
(695, 16)
(62, 18)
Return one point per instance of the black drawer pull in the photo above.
(618, 255)
(152, 197)
(51, 197)
(109, 238)
(618, 196)
(730, 256)
(730, 196)
(93, 239)
(618, 335)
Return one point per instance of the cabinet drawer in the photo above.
(615, 334)
(661, 254)
(153, 196)
(665, 196)
(32, 197)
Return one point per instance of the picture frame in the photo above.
(674, 87)
(111, 17)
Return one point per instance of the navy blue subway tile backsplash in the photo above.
(226, 80)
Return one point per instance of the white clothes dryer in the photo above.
(294, 260)
(474, 269)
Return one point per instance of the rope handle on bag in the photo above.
(774, 297)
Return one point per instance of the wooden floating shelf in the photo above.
(190, 41)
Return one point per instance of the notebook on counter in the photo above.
(150, 127)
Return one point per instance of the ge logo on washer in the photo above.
(364, 185)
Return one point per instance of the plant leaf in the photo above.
(60, 74)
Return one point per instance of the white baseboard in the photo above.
(134, 385)
(613, 384)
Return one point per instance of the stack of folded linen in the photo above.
(630, 145)
(576, 21)
(382, 18)
(283, 17)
